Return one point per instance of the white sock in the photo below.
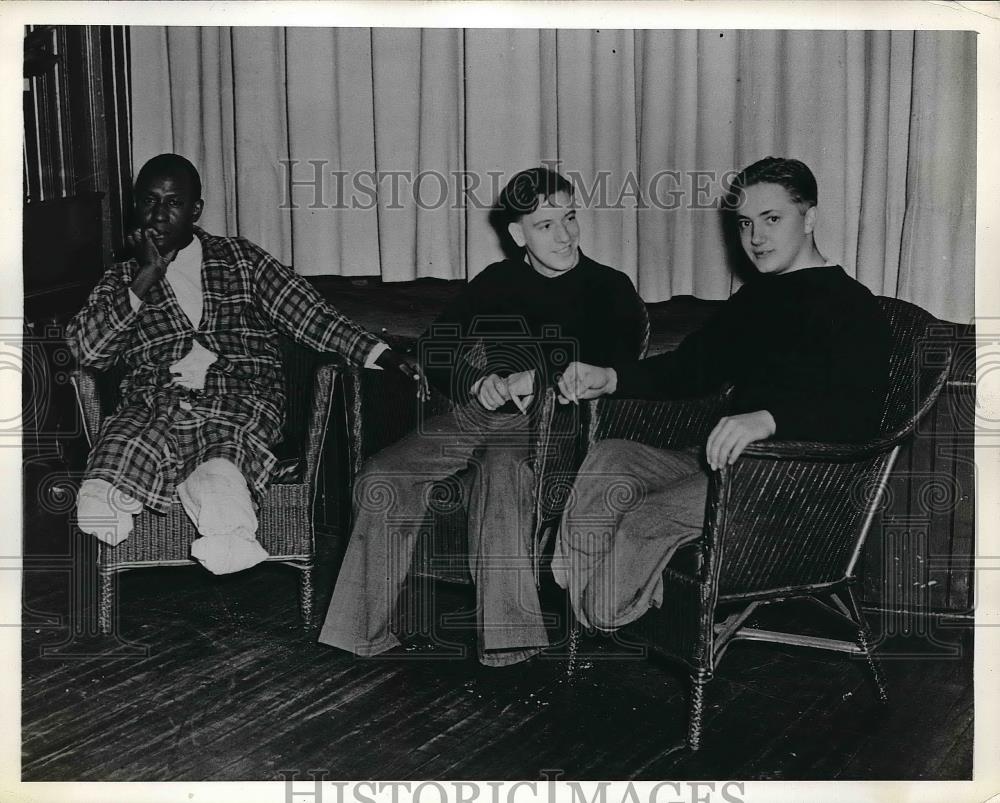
(217, 500)
(231, 552)
(105, 511)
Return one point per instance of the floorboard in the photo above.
(231, 688)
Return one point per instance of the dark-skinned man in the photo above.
(195, 319)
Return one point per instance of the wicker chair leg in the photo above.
(105, 602)
(306, 596)
(696, 711)
(573, 657)
(874, 665)
(864, 640)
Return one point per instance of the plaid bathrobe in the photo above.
(161, 431)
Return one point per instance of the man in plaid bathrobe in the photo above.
(195, 320)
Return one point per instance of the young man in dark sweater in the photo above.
(806, 348)
(513, 329)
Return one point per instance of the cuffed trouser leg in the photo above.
(501, 519)
(634, 506)
(390, 503)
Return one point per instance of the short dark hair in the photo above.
(170, 164)
(793, 175)
(520, 196)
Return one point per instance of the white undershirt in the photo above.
(184, 275)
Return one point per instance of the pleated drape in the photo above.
(365, 152)
(331, 138)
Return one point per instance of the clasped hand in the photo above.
(493, 392)
(583, 381)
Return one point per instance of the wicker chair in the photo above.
(286, 514)
(381, 410)
(787, 520)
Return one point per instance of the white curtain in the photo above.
(377, 152)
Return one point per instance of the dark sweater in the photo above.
(524, 320)
(811, 347)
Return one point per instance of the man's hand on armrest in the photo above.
(734, 433)
(390, 360)
(582, 381)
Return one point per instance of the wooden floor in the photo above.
(213, 679)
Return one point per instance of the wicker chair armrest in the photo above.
(558, 453)
(796, 521)
(381, 409)
(847, 452)
(743, 491)
(815, 451)
(675, 424)
(86, 388)
(319, 414)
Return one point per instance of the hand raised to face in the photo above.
(152, 264)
